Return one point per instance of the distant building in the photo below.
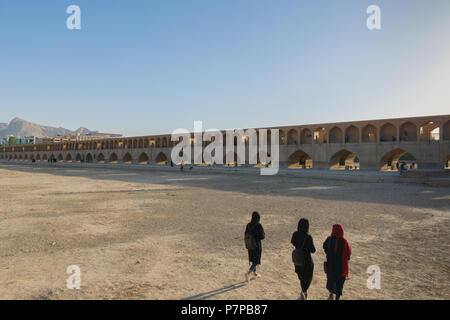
(77, 137)
(18, 140)
(92, 136)
(46, 140)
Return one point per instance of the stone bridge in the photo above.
(366, 145)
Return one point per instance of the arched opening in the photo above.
(446, 133)
(234, 162)
(306, 136)
(369, 134)
(320, 135)
(20, 157)
(158, 142)
(113, 158)
(282, 137)
(393, 159)
(300, 160)
(38, 157)
(447, 162)
(336, 135)
(78, 157)
(25, 157)
(161, 159)
(69, 158)
(429, 131)
(89, 158)
(100, 158)
(388, 132)
(344, 160)
(164, 142)
(60, 158)
(143, 158)
(408, 132)
(352, 134)
(44, 157)
(292, 136)
(127, 159)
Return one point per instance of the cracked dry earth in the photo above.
(161, 234)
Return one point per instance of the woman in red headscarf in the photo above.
(338, 253)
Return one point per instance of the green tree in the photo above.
(12, 141)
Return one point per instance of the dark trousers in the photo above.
(305, 275)
(335, 284)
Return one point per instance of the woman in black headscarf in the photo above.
(303, 242)
(254, 256)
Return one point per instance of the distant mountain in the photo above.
(20, 127)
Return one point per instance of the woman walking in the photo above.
(254, 233)
(338, 253)
(304, 245)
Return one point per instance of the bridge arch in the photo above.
(300, 159)
(45, 157)
(306, 136)
(446, 131)
(38, 157)
(89, 157)
(292, 137)
(447, 162)
(344, 160)
(161, 158)
(60, 158)
(235, 162)
(127, 158)
(113, 158)
(336, 135)
(427, 131)
(369, 134)
(320, 135)
(408, 132)
(352, 134)
(78, 157)
(69, 157)
(143, 158)
(282, 137)
(100, 158)
(390, 159)
(388, 132)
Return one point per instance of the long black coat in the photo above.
(297, 241)
(257, 230)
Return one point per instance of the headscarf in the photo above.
(338, 233)
(303, 225)
(255, 218)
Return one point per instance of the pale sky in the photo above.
(145, 67)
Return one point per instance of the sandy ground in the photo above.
(179, 235)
